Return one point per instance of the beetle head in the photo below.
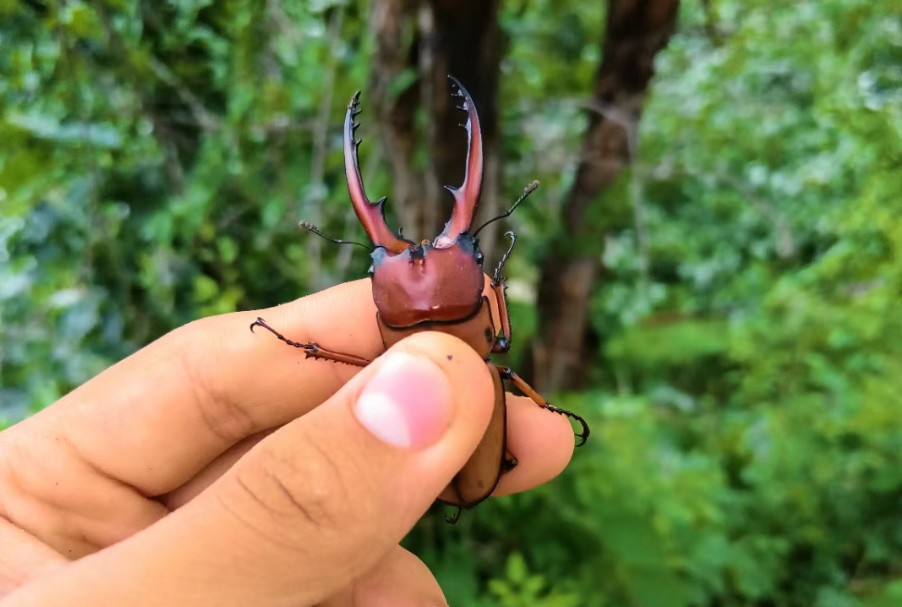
(440, 280)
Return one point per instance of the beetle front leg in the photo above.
(503, 343)
(496, 275)
(312, 350)
(529, 391)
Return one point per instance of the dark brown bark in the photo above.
(434, 38)
(467, 43)
(636, 31)
(393, 25)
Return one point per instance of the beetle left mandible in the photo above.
(438, 286)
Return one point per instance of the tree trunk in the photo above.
(461, 38)
(635, 32)
(395, 109)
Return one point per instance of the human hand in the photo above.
(218, 467)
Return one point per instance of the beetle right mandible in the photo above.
(438, 286)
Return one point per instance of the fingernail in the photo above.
(407, 403)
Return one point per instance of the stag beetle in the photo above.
(438, 286)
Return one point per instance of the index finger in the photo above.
(154, 419)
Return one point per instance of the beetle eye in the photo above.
(479, 257)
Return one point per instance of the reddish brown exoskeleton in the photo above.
(438, 286)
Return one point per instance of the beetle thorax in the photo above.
(428, 284)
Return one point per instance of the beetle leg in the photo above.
(520, 383)
(453, 518)
(313, 350)
(496, 277)
(503, 343)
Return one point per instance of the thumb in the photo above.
(334, 491)
(317, 503)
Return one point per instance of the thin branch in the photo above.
(786, 246)
(712, 28)
(630, 125)
(205, 119)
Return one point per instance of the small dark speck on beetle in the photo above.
(450, 357)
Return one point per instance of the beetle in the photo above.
(439, 286)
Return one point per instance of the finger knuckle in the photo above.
(225, 417)
(305, 490)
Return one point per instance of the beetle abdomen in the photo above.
(480, 475)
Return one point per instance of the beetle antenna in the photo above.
(306, 225)
(532, 187)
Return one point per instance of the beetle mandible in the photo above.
(438, 286)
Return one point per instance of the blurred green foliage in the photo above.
(747, 405)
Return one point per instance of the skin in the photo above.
(219, 467)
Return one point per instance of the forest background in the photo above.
(710, 271)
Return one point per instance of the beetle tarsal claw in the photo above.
(583, 434)
(452, 519)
